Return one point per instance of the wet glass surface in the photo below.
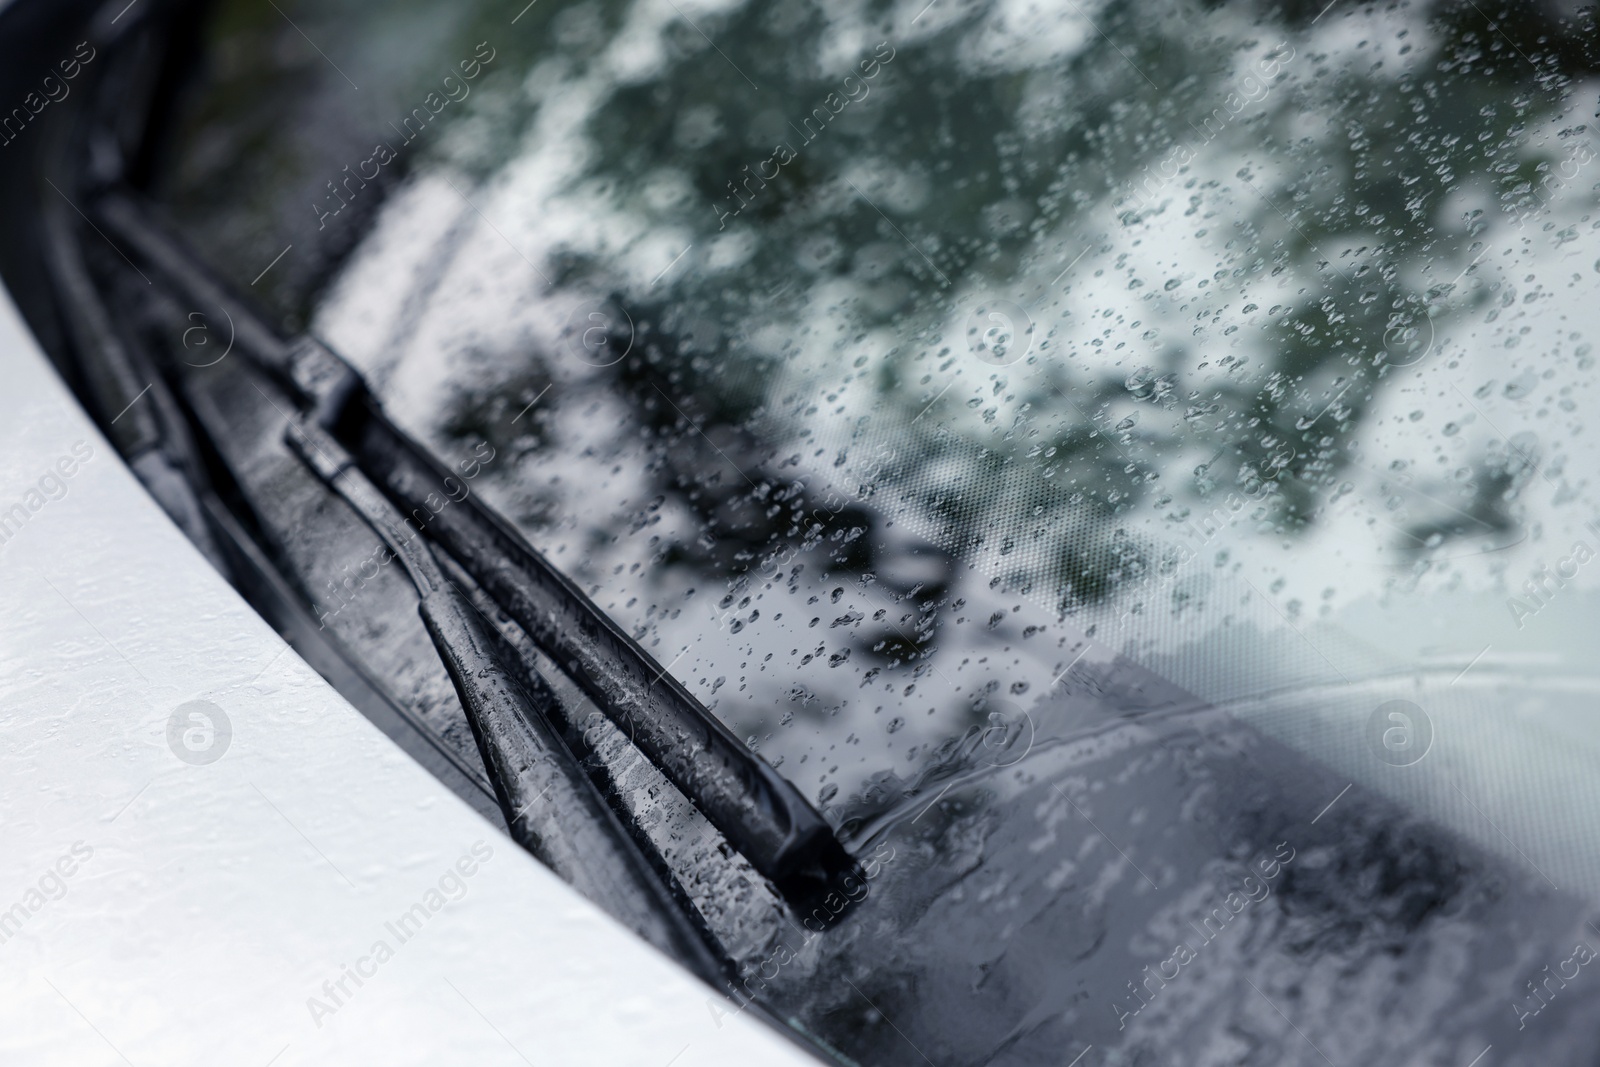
(1084, 448)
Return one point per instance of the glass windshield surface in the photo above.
(1083, 447)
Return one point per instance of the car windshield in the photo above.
(1123, 463)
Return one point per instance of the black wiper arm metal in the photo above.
(760, 813)
(551, 807)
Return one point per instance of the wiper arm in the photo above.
(761, 814)
(510, 709)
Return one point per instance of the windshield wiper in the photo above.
(760, 813)
(560, 799)
(551, 807)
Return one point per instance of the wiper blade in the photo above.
(761, 814)
(551, 807)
